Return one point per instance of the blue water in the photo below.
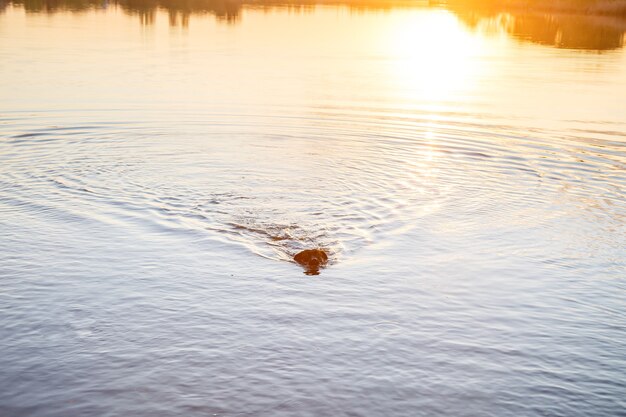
(150, 205)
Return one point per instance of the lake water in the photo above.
(160, 164)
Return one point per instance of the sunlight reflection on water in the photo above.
(155, 184)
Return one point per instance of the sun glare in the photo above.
(434, 57)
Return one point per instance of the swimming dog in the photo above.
(311, 260)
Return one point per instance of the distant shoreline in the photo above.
(229, 9)
(587, 7)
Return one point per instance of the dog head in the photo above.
(312, 260)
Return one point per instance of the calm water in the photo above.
(159, 166)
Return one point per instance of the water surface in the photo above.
(160, 165)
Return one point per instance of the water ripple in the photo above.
(340, 182)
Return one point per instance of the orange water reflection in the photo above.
(572, 31)
(553, 28)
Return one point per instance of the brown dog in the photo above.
(312, 260)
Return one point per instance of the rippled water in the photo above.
(156, 180)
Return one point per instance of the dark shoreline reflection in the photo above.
(561, 30)
(557, 29)
(226, 10)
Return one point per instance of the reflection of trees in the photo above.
(563, 30)
(540, 21)
(570, 31)
(223, 9)
(178, 10)
(591, 7)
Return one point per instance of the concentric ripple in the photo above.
(280, 184)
